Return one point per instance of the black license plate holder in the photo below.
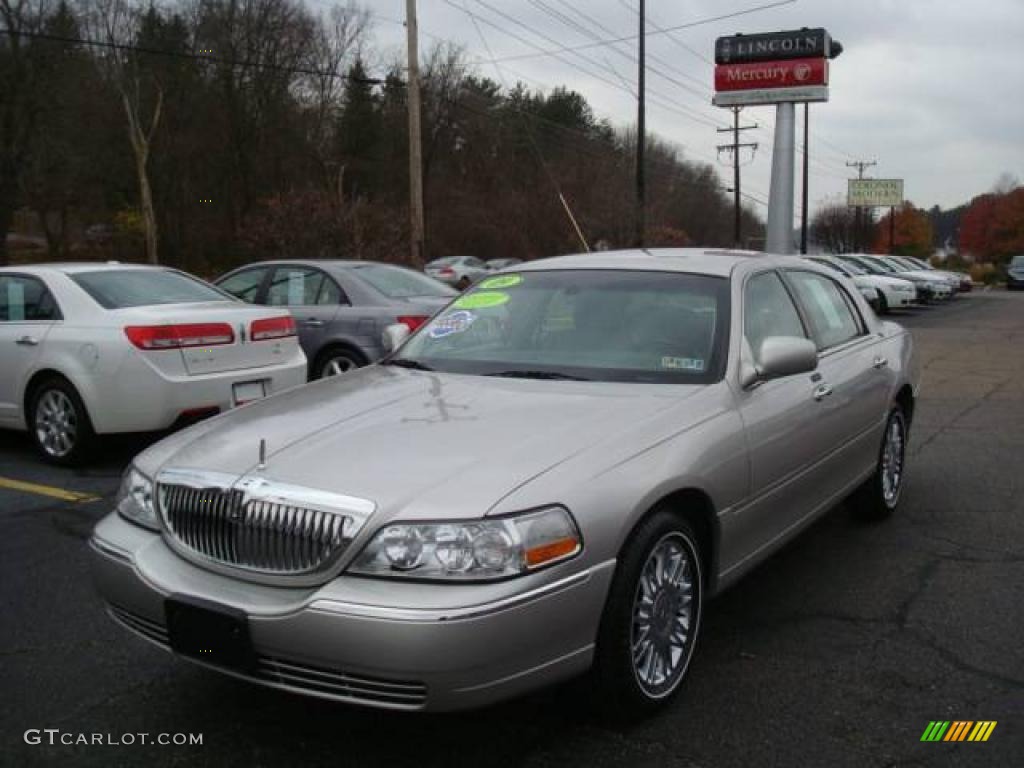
(209, 632)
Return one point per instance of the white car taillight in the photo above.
(158, 337)
(272, 328)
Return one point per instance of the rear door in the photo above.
(27, 313)
(313, 298)
(851, 398)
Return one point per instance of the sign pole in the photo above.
(803, 187)
(779, 229)
(641, 133)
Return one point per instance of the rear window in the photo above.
(398, 283)
(120, 288)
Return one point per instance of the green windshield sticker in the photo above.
(482, 300)
(501, 281)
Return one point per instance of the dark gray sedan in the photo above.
(340, 307)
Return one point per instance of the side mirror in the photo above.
(393, 336)
(782, 356)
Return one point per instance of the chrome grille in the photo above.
(269, 533)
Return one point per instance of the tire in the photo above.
(463, 283)
(879, 496)
(337, 361)
(58, 422)
(883, 305)
(628, 684)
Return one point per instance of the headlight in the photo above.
(135, 500)
(471, 550)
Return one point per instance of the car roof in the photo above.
(72, 267)
(320, 263)
(719, 262)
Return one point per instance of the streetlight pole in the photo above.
(641, 138)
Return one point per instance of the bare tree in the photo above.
(116, 23)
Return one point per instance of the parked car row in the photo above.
(551, 476)
(463, 271)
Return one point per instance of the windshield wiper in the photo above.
(553, 375)
(408, 362)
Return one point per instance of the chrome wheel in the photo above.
(892, 461)
(664, 615)
(336, 366)
(56, 423)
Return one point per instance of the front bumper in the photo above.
(410, 646)
(1014, 283)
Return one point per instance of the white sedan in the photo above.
(89, 349)
(892, 292)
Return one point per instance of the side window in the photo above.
(828, 309)
(768, 310)
(330, 294)
(294, 287)
(244, 285)
(25, 299)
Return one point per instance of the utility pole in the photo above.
(417, 239)
(734, 148)
(860, 165)
(803, 217)
(641, 133)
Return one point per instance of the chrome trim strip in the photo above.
(431, 615)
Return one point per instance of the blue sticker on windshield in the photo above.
(456, 322)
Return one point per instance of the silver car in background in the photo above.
(457, 271)
(552, 476)
(340, 307)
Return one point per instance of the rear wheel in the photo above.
(651, 620)
(58, 422)
(880, 494)
(337, 361)
(464, 283)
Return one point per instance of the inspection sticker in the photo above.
(456, 322)
(482, 300)
(501, 281)
(683, 363)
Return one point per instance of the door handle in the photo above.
(313, 323)
(880, 362)
(27, 341)
(822, 392)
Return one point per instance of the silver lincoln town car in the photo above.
(552, 476)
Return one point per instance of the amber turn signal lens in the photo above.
(552, 551)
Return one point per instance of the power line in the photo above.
(630, 38)
(735, 149)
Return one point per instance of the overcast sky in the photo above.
(931, 89)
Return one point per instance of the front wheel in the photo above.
(880, 494)
(883, 304)
(650, 623)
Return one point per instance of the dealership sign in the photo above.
(872, 193)
(773, 68)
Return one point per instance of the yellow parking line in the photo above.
(46, 490)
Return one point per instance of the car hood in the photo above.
(426, 445)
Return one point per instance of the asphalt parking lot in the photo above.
(839, 651)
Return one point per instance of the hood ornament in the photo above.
(263, 456)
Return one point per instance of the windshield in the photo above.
(867, 267)
(1017, 261)
(399, 283)
(842, 269)
(120, 288)
(893, 265)
(605, 325)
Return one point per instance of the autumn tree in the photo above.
(913, 232)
